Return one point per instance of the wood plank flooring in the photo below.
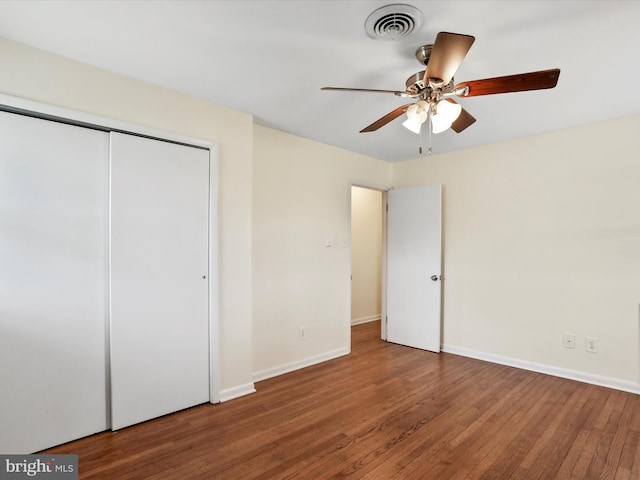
(385, 412)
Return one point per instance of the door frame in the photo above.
(46, 111)
(383, 288)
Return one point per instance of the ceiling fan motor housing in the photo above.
(415, 83)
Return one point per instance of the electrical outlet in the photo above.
(569, 340)
(301, 333)
(591, 344)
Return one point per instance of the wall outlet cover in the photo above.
(569, 340)
(591, 344)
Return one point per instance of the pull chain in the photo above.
(430, 129)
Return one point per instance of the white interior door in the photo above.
(159, 278)
(414, 259)
(53, 254)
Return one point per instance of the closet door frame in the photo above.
(51, 112)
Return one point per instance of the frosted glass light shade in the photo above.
(418, 111)
(417, 114)
(447, 114)
(412, 125)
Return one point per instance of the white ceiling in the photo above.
(270, 58)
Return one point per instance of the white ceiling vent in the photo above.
(393, 21)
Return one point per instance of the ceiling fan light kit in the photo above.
(434, 87)
(443, 114)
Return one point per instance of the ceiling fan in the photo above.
(434, 87)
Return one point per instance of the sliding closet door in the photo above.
(53, 231)
(159, 278)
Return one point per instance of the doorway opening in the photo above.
(367, 255)
(397, 277)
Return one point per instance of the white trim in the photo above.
(383, 290)
(361, 320)
(368, 185)
(591, 378)
(107, 124)
(214, 277)
(236, 392)
(307, 362)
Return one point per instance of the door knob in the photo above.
(434, 278)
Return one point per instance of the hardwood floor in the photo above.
(385, 412)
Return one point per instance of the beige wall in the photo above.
(366, 254)
(301, 193)
(541, 234)
(542, 237)
(36, 75)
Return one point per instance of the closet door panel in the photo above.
(53, 231)
(159, 278)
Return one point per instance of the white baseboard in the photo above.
(591, 378)
(235, 392)
(306, 362)
(370, 318)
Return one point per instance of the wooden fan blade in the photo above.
(381, 122)
(447, 54)
(370, 90)
(464, 120)
(511, 83)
